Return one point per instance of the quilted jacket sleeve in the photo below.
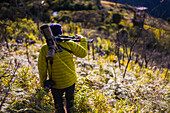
(42, 65)
(79, 50)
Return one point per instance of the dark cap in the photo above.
(56, 29)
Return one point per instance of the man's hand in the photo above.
(79, 36)
(45, 89)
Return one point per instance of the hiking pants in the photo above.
(59, 100)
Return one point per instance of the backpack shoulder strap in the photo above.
(66, 49)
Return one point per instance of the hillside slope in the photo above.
(100, 87)
(157, 8)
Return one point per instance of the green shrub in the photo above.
(116, 18)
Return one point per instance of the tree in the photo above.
(98, 3)
(168, 19)
(9, 10)
(116, 18)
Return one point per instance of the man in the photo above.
(62, 69)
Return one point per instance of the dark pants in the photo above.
(58, 98)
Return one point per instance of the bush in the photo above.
(116, 18)
(168, 19)
(19, 30)
(40, 101)
(63, 16)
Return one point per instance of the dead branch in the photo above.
(9, 86)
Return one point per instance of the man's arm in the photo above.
(42, 65)
(79, 50)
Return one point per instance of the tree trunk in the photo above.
(98, 3)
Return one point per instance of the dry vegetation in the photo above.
(114, 79)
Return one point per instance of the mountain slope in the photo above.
(157, 8)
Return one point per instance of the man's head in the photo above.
(56, 29)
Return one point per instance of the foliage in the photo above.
(24, 9)
(58, 5)
(63, 16)
(41, 10)
(88, 18)
(116, 18)
(100, 86)
(168, 19)
(21, 29)
(40, 101)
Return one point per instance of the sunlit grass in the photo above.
(100, 87)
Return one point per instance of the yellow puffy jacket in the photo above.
(63, 67)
